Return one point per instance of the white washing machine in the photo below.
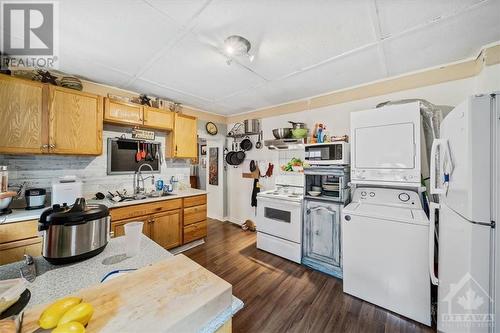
(385, 251)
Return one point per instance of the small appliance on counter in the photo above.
(66, 190)
(35, 198)
(74, 233)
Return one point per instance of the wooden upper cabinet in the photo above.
(158, 118)
(166, 229)
(75, 122)
(23, 116)
(183, 141)
(119, 112)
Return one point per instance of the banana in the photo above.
(51, 315)
(80, 313)
(71, 327)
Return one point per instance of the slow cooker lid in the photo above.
(78, 212)
(35, 192)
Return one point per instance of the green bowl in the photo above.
(299, 133)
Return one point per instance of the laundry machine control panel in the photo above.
(385, 196)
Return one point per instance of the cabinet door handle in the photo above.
(52, 146)
(42, 147)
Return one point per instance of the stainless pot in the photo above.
(282, 133)
(252, 125)
(74, 233)
(297, 125)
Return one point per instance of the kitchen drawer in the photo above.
(195, 201)
(195, 214)
(195, 231)
(15, 251)
(15, 231)
(128, 212)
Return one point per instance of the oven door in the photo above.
(279, 218)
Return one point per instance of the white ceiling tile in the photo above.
(360, 67)
(95, 72)
(451, 40)
(287, 37)
(181, 11)
(195, 67)
(400, 15)
(122, 35)
(153, 89)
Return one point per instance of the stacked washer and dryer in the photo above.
(385, 228)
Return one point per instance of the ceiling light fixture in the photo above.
(236, 46)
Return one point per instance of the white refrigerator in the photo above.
(465, 174)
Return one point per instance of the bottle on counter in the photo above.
(4, 178)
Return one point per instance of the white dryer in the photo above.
(385, 251)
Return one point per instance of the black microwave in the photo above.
(122, 156)
(330, 153)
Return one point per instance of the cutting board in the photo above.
(173, 295)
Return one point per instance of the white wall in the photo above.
(337, 120)
(216, 198)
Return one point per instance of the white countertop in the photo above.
(19, 215)
(55, 281)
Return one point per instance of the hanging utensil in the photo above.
(258, 144)
(143, 152)
(138, 154)
(157, 149)
(149, 157)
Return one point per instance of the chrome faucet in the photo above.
(138, 178)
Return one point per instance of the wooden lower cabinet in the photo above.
(15, 251)
(170, 223)
(18, 239)
(195, 231)
(166, 229)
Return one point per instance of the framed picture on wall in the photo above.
(213, 166)
(203, 149)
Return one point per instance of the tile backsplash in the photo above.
(41, 170)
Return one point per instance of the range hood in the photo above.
(285, 144)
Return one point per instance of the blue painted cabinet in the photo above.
(321, 248)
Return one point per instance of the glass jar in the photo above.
(4, 178)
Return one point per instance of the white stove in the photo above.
(279, 220)
(290, 193)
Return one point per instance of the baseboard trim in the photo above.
(187, 246)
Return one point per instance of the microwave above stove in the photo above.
(330, 153)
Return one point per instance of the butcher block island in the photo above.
(159, 293)
(173, 295)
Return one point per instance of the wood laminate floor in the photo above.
(282, 296)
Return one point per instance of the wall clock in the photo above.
(211, 128)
